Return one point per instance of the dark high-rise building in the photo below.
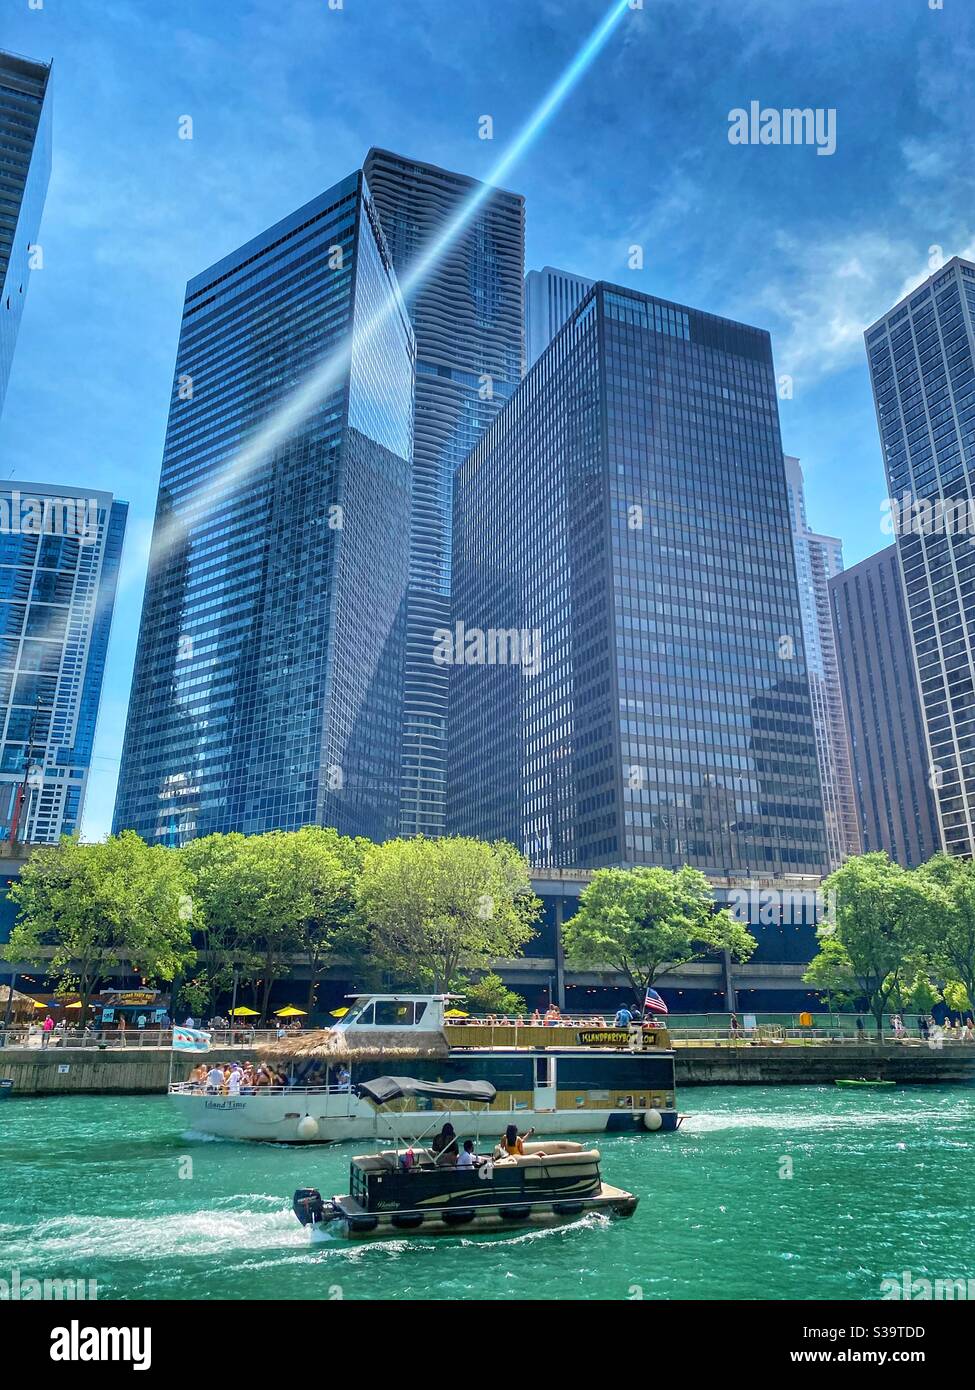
(467, 316)
(895, 803)
(60, 551)
(628, 676)
(268, 678)
(25, 167)
(922, 364)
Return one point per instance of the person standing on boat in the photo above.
(623, 1017)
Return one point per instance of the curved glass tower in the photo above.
(467, 315)
(268, 677)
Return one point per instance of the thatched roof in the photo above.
(330, 1044)
(22, 1003)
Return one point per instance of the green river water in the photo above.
(101, 1188)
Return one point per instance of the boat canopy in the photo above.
(382, 1089)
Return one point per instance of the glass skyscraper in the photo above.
(60, 550)
(467, 316)
(25, 167)
(267, 691)
(895, 802)
(818, 559)
(922, 364)
(628, 675)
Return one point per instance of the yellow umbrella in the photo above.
(73, 1006)
(289, 1011)
(338, 1013)
(244, 1012)
(39, 1005)
(456, 1013)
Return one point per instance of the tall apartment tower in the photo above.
(895, 803)
(467, 314)
(25, 140)
(922, 365)
(628, 672)
(267, 691)
(60, 550)
(818, 559)
(550, 297)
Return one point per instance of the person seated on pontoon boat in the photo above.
(444, 1145)
(512, 1142)
(467, 1158)
(343, 1079)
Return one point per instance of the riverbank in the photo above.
(146, 1071)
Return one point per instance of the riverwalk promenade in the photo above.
(143, 1067)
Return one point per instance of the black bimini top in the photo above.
(383, 1089)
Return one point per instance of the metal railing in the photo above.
(117, 1038)
(201, 1088)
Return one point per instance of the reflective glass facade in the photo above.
(818, 559)
(25, 167)
(268, 679)
(467, 316)
(60, 551)
(922, 363)
(895, 803)
(629, 508)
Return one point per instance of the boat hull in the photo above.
(281, 1118)
(499, 1220)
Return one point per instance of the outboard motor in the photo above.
(308, 1206)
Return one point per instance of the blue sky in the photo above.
(286, 96)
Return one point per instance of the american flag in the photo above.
(653, 1004)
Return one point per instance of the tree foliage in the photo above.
(93, 907)
(434, 907)
(648, 922)
(952, 945)
(885, 922)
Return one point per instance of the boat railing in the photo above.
(520, 1021)
(200, 1088)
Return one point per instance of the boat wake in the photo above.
(254, 1221)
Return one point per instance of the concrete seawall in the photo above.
(145, 1071)
(67, 1071)
(809, 1064)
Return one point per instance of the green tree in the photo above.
(325, 873)
(490, 995)
(434, 907)
(884, 921)
(225, 949)
(84, 909)
(648, 922)
(953, 941)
